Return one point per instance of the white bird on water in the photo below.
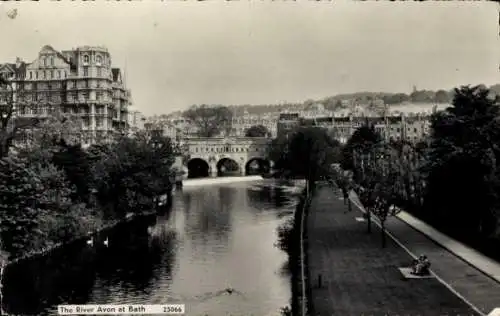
(90, 242)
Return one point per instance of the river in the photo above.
(215, 237)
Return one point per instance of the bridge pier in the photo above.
(213, 172)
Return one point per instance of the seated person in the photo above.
(421, 266)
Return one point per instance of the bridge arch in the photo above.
(228, 167)
(198, 168)
(257, 165)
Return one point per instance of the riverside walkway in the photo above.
(359, 277)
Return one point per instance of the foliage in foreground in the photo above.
(452, 180)
(54, 191)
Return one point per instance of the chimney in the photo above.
(18, 62)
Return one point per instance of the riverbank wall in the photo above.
(298, 257)
(215, 181)
(95, 235)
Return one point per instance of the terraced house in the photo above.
(79, 81)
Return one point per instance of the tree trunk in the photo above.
(368, 221)
(4, 147)
(382, 222)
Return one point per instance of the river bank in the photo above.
(105, 225)
(291, 240)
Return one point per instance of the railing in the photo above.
(303, 294)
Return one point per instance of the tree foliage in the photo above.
(10, 125)
(210, 121)
(257, 131)
(132, 172)
(361, 142)
(451, 180)
(53, 191)
(462, 164)
(306, 152)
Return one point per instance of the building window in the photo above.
(99, 72)
(86, 71)
(44, 63)
(31, 75)
(86, 59)
(52, 61)
(58, 74)
(98, 59)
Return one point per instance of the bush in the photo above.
(285, 235)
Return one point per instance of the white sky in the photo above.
(260, 52)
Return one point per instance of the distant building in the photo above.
(240, 124)
(136, 120)
(390, 127)
(287, 122)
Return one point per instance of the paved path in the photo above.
(473, 284)
(359, 277)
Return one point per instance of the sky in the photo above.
(180, 53)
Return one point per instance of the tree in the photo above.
(387, 175)
(422, 96)
(395, 98)
(307, 152)
(379, 190)
(358, 155)
(21, 201)
(210, 120)
(132, 171)
(462, 169)
(257, 131)
(10, 125)
(57, 140)
(343, 180)
(442, 97)
(358, 147)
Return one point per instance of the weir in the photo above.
(214, 181)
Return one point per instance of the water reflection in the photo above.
(214, 238)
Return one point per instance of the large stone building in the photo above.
(79, 81)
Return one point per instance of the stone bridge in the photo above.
(227, 156)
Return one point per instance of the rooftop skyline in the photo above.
(176, 54)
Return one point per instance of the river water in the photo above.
(215, 237)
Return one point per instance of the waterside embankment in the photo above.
(291, 239)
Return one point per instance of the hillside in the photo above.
(340, 101)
